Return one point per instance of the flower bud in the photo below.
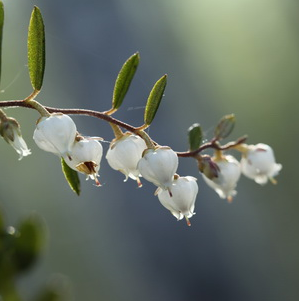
(86, 158)
(229, 172)
(158, 166)
(11, 132)
(55, 134)
(124, 154)
(258, 163)
(181, 203)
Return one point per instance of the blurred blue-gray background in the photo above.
(117, 242)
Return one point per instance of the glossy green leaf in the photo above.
(36, 49)
(1, 32)
(71, 177)
(124, 80)
(225, 127)
(154, 100)
(195, 136)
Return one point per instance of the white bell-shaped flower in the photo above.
(55, 134)
(124, 153)
(258, 163)
(181, 203)
(86, 158)
(158, 166)
(11, 132)
(228, 175)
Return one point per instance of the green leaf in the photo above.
(124, 79)
(71, 177)
(1, 32)
(154, 100)
(195, 136)
(225, 127)
(36, 49)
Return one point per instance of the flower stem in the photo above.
(3, 116)
(146, 138)
(149, 142)
(118, 133)
(36, 105)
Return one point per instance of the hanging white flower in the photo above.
(86, 158)
(55, 134)
(181, 203)
(124, 153)
(258, 163)
(158, 166)
(228, 175)
(11, 132)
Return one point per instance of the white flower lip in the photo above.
(182, 202)
(159, 166)
(258, 163)
(124, 154)
(11, 133)
(55, 134)
(86, 158)
(228, 176)
(20, 145)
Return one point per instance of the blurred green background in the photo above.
(117, 242)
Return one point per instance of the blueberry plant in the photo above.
(132, 151)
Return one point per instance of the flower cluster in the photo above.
(134, 153)
(135, 157)
(175, 193)
(257, 163)
(128, 154)
(58, 134)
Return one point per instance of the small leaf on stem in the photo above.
(124, 79)
(71, 177)
(154, 100)
(36, 49)
(225, 127)
(195, 136)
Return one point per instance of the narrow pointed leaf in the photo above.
(36, 49)
(1, 32)
(124, 80)
(195, 136)
(71, 177)
(154, 100)
(225, 127)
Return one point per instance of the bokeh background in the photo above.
(117, 242)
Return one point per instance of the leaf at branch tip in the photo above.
(71, 177)
(36, 49)
(124, 79)
(195, 136)
(154, 100)
(225, 126)
(1, 32)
